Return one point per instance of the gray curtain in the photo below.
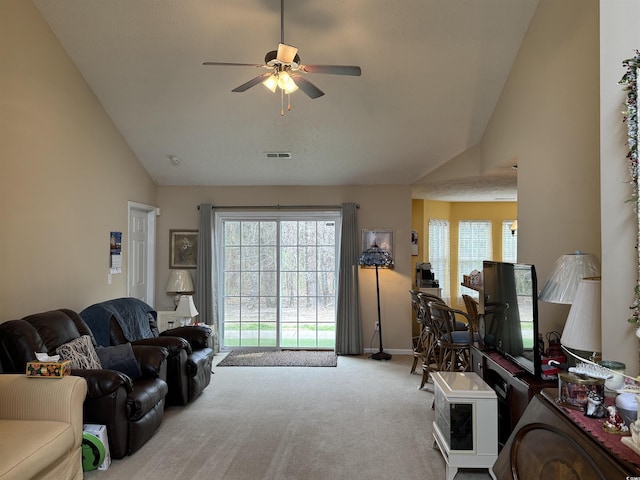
(348, 325)
(206, 294)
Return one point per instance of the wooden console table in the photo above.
(513, 385)
(552, 441)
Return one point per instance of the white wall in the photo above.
(381, 207)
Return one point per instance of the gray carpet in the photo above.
(363, 420)
(279, 358)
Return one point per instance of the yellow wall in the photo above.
(455, 212)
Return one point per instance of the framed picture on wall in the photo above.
(382, 238)
(183, 248)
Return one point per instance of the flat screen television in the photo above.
(509, 301)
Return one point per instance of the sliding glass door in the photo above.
(278, 279)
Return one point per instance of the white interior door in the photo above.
(141, 252)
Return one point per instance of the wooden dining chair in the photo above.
(417, 341)
(471, 304)
(430, 362)
(454, 346)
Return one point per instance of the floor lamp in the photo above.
(376, 257)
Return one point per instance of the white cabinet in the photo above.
(465, 428)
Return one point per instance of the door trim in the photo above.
(151, 247)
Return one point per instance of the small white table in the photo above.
(465, 428)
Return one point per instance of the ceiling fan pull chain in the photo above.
(282, 103)
(288, 102)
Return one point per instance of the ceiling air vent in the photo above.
(277, 154)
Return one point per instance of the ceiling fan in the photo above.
(284, 70)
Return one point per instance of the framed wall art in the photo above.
(183, 248)
(382, 238)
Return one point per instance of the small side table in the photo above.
(465, 428)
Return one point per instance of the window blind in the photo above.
(474, 246)
(439, 254)
(509, 243)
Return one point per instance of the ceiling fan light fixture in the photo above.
(286, 53)
(271, 83)
(286, 83)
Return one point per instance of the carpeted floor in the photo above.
(363, 420)
(279, 358)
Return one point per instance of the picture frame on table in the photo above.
(183, 248)
(382, 238)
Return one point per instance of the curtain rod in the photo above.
(277, 207)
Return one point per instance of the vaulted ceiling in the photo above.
(432, 72)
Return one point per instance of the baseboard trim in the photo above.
(392, 351)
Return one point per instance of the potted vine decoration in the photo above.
(630, 117)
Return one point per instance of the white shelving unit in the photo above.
(465, 428)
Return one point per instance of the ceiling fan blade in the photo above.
(253, 82)
(351, 70)
(307, 87)
(227, 64)
(286, 53)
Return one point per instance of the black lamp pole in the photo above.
(374, 256)
(381, 355)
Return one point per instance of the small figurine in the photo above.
(614, 424)
(595, 405)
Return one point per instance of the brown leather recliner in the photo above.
(128, 319)
(131, 409)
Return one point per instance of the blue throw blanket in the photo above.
(131, 314)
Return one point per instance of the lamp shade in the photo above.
(583, 328)
(180, 281)
(374, 256)
(568, 271)
(186, 307)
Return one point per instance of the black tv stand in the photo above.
(514, 386)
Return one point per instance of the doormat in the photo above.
(279, 358)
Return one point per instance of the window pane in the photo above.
(509, 243)
(439, 254)
(474, 246)
(307, 258)
(250, 233)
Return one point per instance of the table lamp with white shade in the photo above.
(180, 283)
(186, 310)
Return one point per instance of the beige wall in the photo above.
(67, 175)
(619, 37)
(381, 207)
(547, 118)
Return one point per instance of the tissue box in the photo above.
(49, 369)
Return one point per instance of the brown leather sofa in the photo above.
(128, 319)
(131, 409)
